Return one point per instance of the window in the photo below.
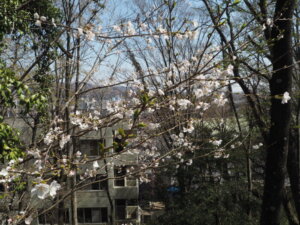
(91, 147)
(99, 182)
(119, 141)
(147, 219)
(47, 218)
(121, 179)
(120, 209)
(130, 181)
(92, 215)
(126, 209)
(2, 188)
(102, 183)
(120, 176)
(131, 212)
(51, 217)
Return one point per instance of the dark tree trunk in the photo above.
(289, 210)
(293, 169)
(280, 114)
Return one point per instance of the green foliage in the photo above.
(10, 147)
(16, 17)
(121, 132)
(208, 204)
(102, 149)
(144, 98)
(19, 184)
(12, 20)
(141, 125)
(236, 2)
(136, 114)
(213, 190)
(12, 90)
(16, 21)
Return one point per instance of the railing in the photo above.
(131, 212)
(127, 222)
(131, 182)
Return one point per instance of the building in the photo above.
(112, 198)
(109, 197)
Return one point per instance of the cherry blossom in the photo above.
(53, 188)
(28, 220)
(38, 23)
(285, 98)
(43, 190)
(40, 190)
(36, 16)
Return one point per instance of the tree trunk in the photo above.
(280, 114)
(289, 210)
(293, 169)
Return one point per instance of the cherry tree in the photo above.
(180, 77)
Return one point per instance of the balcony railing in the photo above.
(127, 222)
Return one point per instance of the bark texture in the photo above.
(280, 44)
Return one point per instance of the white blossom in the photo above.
(169, 83)
(35, 153)
(53, 188)
(269, 22)
(161, 30)
(183, 103)
(38, 23)
(220, 100)
(71, 173)
(64, 139)
(95, 165)
(160, 92)
(28, 220)
(130, 29)
(220, 154)
(153, 126)
(3, 172)
(285, 98)
(179, 36)
(80, 31)
(36, 16)
(43, 18)
(189, 129)
(198, 93)
(194, 59)
(189, 162)
(38, 164)
(83, 126)
(229, 70)
(41, 190)
(64, 160)
(149, 41)
(117, 28)
(78, 154)
(171, 108)
(53, 22)
(217, 142)
(90, 35)
(49, 138)
(143, 26)
(255, 147)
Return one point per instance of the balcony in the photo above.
(127, 222)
